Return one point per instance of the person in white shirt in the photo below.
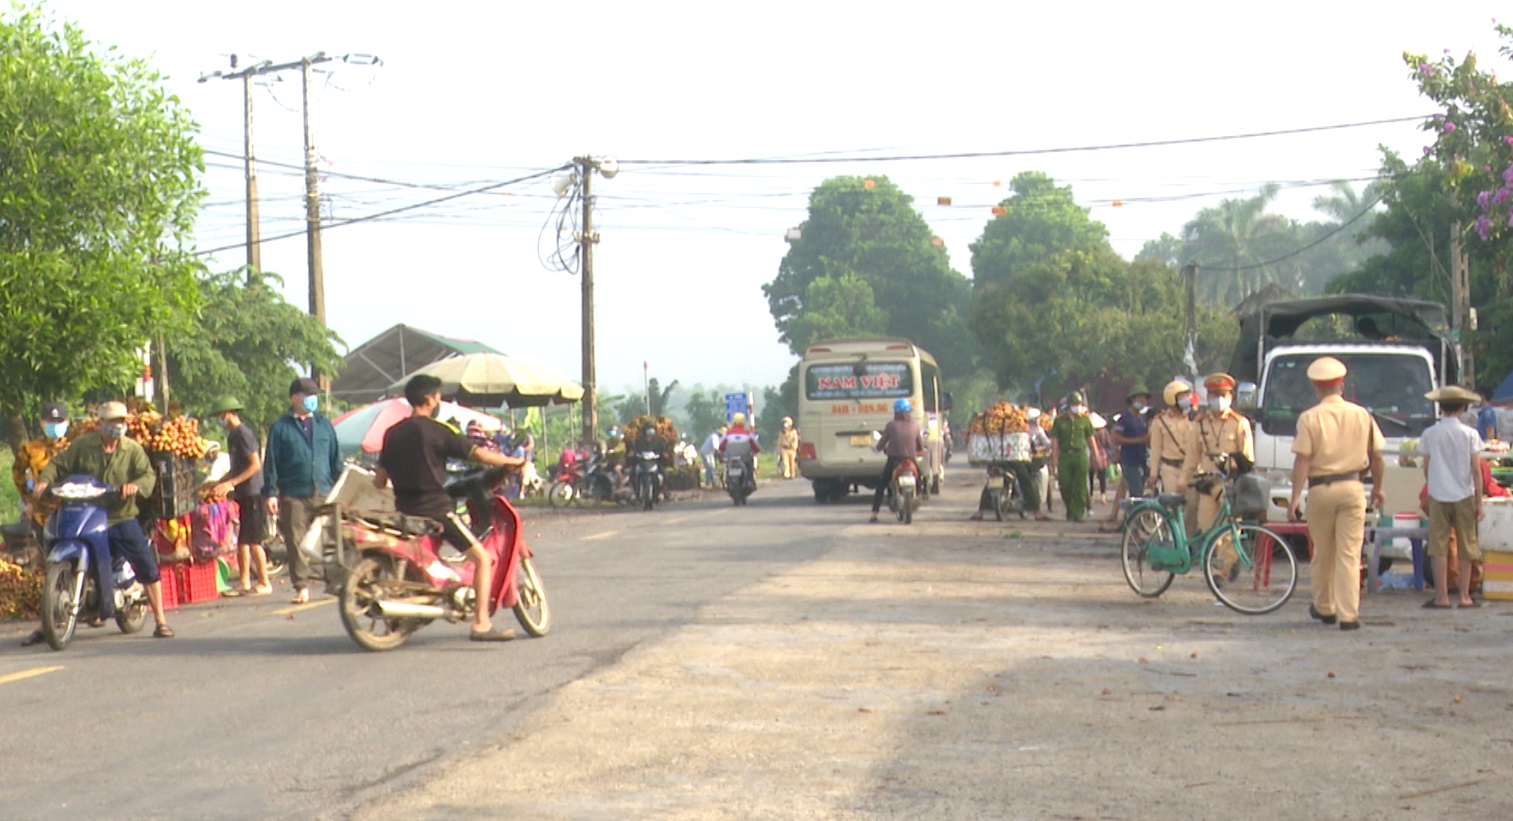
(1451, 450)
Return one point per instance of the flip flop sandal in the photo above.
(503, 634)
(259, 591)
(1430, 605)
(1474, 603)
(163, 631)
(301, 597)
(237, 592)
(95, 622)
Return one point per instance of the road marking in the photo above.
(25, 674)
(679, 520)
(605, 535)
(284, 611)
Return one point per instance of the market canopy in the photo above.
(372, 367)
(363, 429)
(493, 379)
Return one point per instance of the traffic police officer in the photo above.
(1220, 430)
(1336, 442)
(1169, 432)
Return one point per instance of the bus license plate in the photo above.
(861, 440)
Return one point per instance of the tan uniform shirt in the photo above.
(788, 439)
(1213, 433)
(1169, 440)
(1337, 437)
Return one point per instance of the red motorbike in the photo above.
(399, 575)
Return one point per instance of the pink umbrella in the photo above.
(364, 428)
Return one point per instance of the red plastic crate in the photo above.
(197, 583)
(170, 580)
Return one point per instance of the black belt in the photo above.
(1316, 481)
(1176, 463)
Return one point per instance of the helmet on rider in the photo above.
(650, 431)
(738, 419)
(903, 406)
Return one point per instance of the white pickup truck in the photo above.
(1396, 349)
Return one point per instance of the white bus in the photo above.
(847, 388)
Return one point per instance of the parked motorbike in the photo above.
(903, 495)
(397, 581)
(647, 475)
(75, 537)
(740, 479)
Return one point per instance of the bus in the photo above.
(847, 388)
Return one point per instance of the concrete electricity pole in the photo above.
(312, 202)
(249, 157)
(1460, 306)
(586, 240)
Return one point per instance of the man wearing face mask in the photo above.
(1072, 438)
(27, 468)
(1220, 430)
(110, 457)
(300, 465)
(1169, 432)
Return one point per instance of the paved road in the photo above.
(262, 709)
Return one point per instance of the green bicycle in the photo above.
(1257, 578)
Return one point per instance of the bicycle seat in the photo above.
(1172, 500)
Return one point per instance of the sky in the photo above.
(479, 94)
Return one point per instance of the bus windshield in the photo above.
(859, 380)
(1391, 386)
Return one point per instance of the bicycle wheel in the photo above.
(1259, 577)
(1145, 527)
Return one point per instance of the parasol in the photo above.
(492, 379)
(364, 428)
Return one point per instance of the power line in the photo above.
(964, 155)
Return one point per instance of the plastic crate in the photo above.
(170, 580)
(197, 582)
(1497, 575)
(177, 489)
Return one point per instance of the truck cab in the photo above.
(1395, 350)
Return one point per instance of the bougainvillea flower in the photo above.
(1483, 226)
(1484, 199)
(1449, 126)
(1501, 196)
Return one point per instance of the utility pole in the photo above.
(586, 241)
(312, 203)
(1190, 298)
(249, 162)
(312, 185)
(1460, 306)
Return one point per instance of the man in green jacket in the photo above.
(110, 457)
(300, 466)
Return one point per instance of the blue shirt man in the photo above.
(1132, 434)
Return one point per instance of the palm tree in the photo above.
(1229, 243)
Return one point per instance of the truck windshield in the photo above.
(1391, 386)
(860, 380)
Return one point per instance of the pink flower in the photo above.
(1449, 127)
(1507, 176)
(1426, 69)
(1484, 199)
(1483, 226)
(1426, 151)
(1501, 196)
(1507, 140)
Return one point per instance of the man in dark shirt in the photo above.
(1132, 435)
(414, 458)
(243, 485)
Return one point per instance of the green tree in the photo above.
(242, 342)
(1039, 220)
(97, 200)
(1234, 243)
(865, 232)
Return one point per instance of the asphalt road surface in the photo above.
(260, 709)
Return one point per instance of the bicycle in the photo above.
(1155, 548)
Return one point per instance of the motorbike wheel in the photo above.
(60, 614)
(648, 493)
(996, 499)
(131, 619)
(360, 613)
(906, 507)
(531, 609)
(562, 494)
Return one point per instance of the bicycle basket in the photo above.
(1251, 496)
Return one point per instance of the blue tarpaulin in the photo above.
(1504, 390)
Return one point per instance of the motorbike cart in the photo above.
(398, 575)
(1005, 496)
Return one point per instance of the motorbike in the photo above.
(903, 490)
(567, 479)
(740, 479)
(1005, 496)
(75, 535)
(647, 475)
(399, 575)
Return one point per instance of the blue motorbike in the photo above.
(76, 543)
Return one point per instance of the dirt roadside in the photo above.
(976, 670)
